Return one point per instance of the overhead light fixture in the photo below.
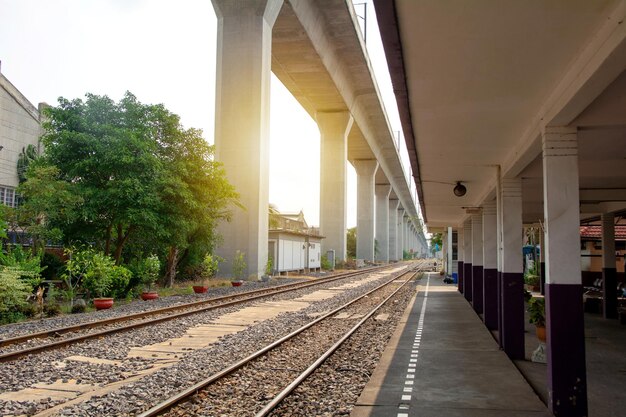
(459, 189)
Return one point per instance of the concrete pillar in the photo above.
(490, 265)
(449, 255)
(461, 257)
(567, 376)
(499, 251)
(382, 192)
(477, 262)
(242, 103)
(393, 229)
(512, 280)
(609, 267)
(334, 128)
(405, 227)
(365, 208)
(542, 262)
(400, 234)
(467, 266)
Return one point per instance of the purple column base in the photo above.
(567, 374)
(609, 292)
(490, 296)
(542, 278)
(477, 288)
(467, 281)
(460, 282)
(512, 330)
(499, 291)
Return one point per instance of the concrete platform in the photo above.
(442, 361)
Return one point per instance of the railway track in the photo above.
(126, 373)
(65, 336)
(311, 344)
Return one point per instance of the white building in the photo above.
(20, 126)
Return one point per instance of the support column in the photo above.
(334, 128)
(405, 226)
(512, 284)
(393, 230)
(467, 266)
(461, 257)
(567, 376)
(609, 270)
(542, 263)
(242, 102)
(400, 243)
(477, 262)
(365, 171)
(450, 253)
(499, 248)
(382, 221)
(490, 263)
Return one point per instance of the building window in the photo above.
(8, 197)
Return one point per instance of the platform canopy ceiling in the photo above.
(477, 81)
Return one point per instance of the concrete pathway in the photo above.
(444, 362)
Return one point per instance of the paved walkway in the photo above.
(443, 362)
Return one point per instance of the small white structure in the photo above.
(294, 251)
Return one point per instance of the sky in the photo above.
(164, 51)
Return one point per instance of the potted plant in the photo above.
(532, 281)
(537, 312)
(149, 270)
(208, 268)
(239, 268)
(97, 280)
(268, 270)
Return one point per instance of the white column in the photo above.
(449, 268)
(490, 247)
(512, 284)
(365, 207)
(490, 264)
(609, 270)
(467, 265)
(564, 312)
(382, 192)
(393, 229)
(477, 262)
(242, 103)
(334, 128)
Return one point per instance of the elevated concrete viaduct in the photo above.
(524, 104)
(316, 50)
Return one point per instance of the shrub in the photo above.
(13, 294)
(325, 263)
(537, 311)
(210, 265)
(51, 309)
(239, 265)
(119, 277)
(79, 307)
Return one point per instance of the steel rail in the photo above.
(239, 298)
(315, 365)
(167, 404)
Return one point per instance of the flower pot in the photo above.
(541, 333)
(103, 303)
(236, 283)
(200, 289)
(149, 295)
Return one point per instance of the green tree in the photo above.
(127, 178)
(351, 243)
(197, 196)
(107, 152)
